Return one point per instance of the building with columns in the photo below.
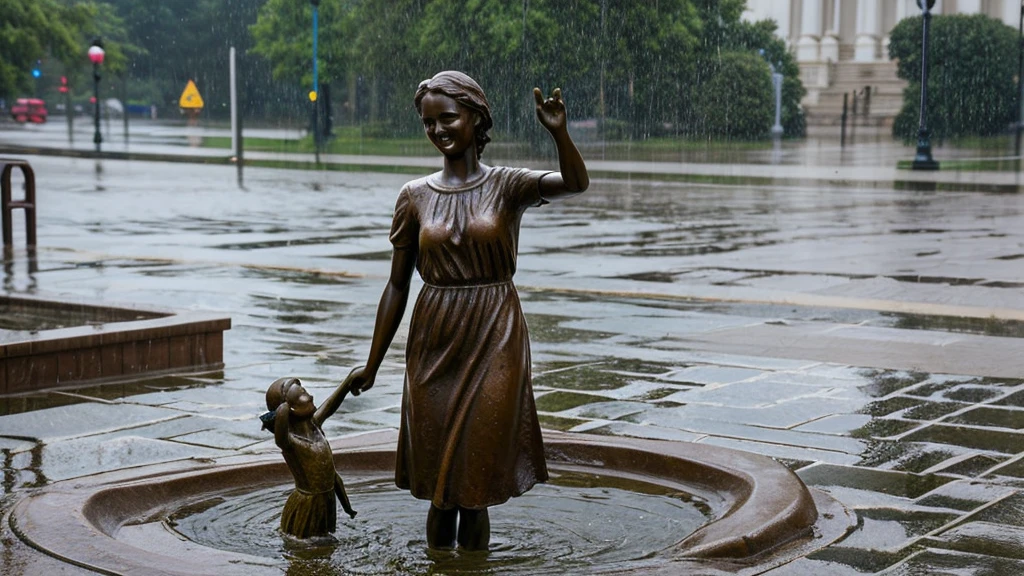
(843, 47)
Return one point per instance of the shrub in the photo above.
(972, 64)
(737, 100)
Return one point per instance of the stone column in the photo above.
(807, 47)
(781, 11)
(968, 6)
(1011, 13)
(866, 45)
(902, 11)
(830, 42)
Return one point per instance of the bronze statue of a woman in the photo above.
(469, 436)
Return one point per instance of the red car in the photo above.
(29, 110)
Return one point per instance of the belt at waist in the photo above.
(468, 285)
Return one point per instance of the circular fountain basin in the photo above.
(614, 505)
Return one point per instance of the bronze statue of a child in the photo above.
(296, 423)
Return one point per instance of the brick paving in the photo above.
(867, 338)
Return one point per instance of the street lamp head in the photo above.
(96, 54)
(921, 4)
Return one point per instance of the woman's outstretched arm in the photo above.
(389, 316)
(572, 177)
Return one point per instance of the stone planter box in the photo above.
(51, 343)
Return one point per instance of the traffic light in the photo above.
(63, 85)
(37, 70)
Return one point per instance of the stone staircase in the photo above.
(824, 101)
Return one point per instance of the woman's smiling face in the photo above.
(450, 126)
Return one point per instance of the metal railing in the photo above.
(8, 204)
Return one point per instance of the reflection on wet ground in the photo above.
(867, 338)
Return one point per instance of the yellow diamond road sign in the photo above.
(190, 98)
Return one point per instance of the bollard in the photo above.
(842, 132)
(7, 204)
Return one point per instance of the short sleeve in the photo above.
(404, 226)
(523, 187)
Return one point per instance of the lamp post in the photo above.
(1020, 82)
(314, 94)
(923, 159)
(96, 55)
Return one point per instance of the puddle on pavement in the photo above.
(892, 529)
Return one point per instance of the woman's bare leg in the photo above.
(474, 529)
(441, 527)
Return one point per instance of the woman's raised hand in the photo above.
(550, 112)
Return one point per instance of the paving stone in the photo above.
(868, 562)
(226, 436)
(749, 394)
(90, 455)
(559, 401)
(894, 405)
(1009, 511)
(965, 494)
(659, 327)
(809, 567)
(779, 451)
(841, 424)
(982, 538)
(974, 466)
(902, 484)
(11, 445)
(884, 428)
(81, 419)
(671, 419)
(891, 530)
(641, 431)
(606, 410)
(948, 563)
(785, 415)
(911, 456)
(713, 375)
(982, 439)
(994, 417)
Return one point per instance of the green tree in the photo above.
(972, 62)
(636, 66)
(736, 101)
(32, 30)
(725, 32)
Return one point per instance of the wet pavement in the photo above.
(868, 158)
(868, 337)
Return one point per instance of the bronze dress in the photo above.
(310, 510)
(469, 435)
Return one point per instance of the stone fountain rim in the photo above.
(764, 506)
